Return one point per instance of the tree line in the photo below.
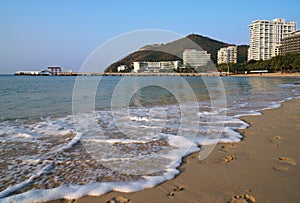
(281, 63)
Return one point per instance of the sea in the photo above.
(67, 137)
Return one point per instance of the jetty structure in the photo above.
(33, 73)
(52, 70)
(56, 71)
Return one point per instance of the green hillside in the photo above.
(173, 51)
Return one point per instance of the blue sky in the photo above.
(38, 33)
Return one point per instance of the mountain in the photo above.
(173, 51)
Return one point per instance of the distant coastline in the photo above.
(131, 74)
(276, 74)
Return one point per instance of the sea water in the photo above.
(132, 136)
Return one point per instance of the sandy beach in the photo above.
(264, 167)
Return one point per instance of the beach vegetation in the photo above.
(281, 63)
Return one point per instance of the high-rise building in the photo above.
(291, 43)
(195, 58)
(266, 36)
(227, 55)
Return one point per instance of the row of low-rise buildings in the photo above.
(158, 66)
(191, 58)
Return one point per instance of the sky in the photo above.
(35, 34)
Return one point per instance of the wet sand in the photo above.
(264, 167)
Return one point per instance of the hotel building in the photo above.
(291, 43)
(195, 58)
(227, 55)
(156, 67)
(266, 36)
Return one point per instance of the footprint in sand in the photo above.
(244, 198)
(287, 160)
(227, 147)
(286, 163)
(297, 126)
(264, 129)
(175, 191)
(281, 168)
(275, 117)
(118, 199)
(228, 158)
(276, 139)
(293, 117)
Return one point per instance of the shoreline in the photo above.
(277, 74)
(172, 74)
(260, 168)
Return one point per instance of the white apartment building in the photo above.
(227, 55)
(291, 43)
(266, 36)
(195, 58)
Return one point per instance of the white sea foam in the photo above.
(23, 135)
(10, 189)
(113, 141)
(135, 118)
(93, 189)
(250, 113)
(289, 85)
(182, 146)
(182, 141)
